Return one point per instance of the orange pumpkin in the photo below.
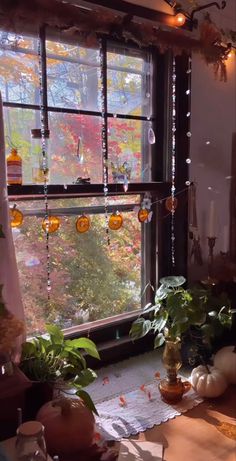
(83, 224)
(16, 217)
(115, 221)
(143, 214)
(69, 426)
(53, 224)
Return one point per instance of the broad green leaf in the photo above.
(160, 320)
(56, 335)
(140, 328)
(212, 314)
(28, 349)
(162, 293)
(225, 319)
(173, 281)
(147, 306)
(87, 400)
(85, 377)
(152, 309)
(159, 340)
(86, 344)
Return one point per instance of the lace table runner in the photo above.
(128, 400)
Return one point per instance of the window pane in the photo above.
(73, 149)
(19, 80)
(129, 150)
(90, 280)
(128, 80)
(73, 76)
(17, 126)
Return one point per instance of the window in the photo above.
(90, 281)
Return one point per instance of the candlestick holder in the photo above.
(210, 280)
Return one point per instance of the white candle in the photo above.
(225, 239)
(211, 229)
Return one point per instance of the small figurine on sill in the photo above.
(81, 180)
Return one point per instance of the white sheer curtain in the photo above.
(9, 277)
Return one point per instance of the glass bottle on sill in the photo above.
(30, 442)
(14, 168)
(38, 173)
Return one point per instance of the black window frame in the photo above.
(111, 335)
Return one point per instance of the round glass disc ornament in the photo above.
(16, 217)
(168, 203)
(115, 221)
(143, 214)
(83, 224)
(53, 223)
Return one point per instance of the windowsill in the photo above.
(33, 191)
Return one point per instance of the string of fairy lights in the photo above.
(114, 222)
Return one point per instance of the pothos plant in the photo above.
(177, 310)
(56, 360)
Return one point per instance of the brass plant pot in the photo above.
(172, 388)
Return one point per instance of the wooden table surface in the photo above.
(205, 433)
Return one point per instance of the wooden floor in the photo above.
(206, 433)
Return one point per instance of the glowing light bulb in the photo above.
(180, 19)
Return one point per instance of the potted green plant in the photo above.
(51, 361)
(178, 310)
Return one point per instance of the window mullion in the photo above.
(43, 70)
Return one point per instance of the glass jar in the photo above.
(37, 156)
(30, 442)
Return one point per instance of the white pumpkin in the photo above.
(208, 381)
(225, 360)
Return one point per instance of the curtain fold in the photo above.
(9, 277)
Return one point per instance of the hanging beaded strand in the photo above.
(42, 89)
(173, 145)
(103, 67)
(188, 114)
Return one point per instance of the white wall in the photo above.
(213, 119)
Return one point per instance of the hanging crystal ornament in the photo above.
(79, 152)
(151, 136)
(103, 67)
(44, 128)
(126, 183)
(173, 151)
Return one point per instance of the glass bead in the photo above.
(189, 134)
(188, 160)
(187, 183)
(188, 92)
(188, 114)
